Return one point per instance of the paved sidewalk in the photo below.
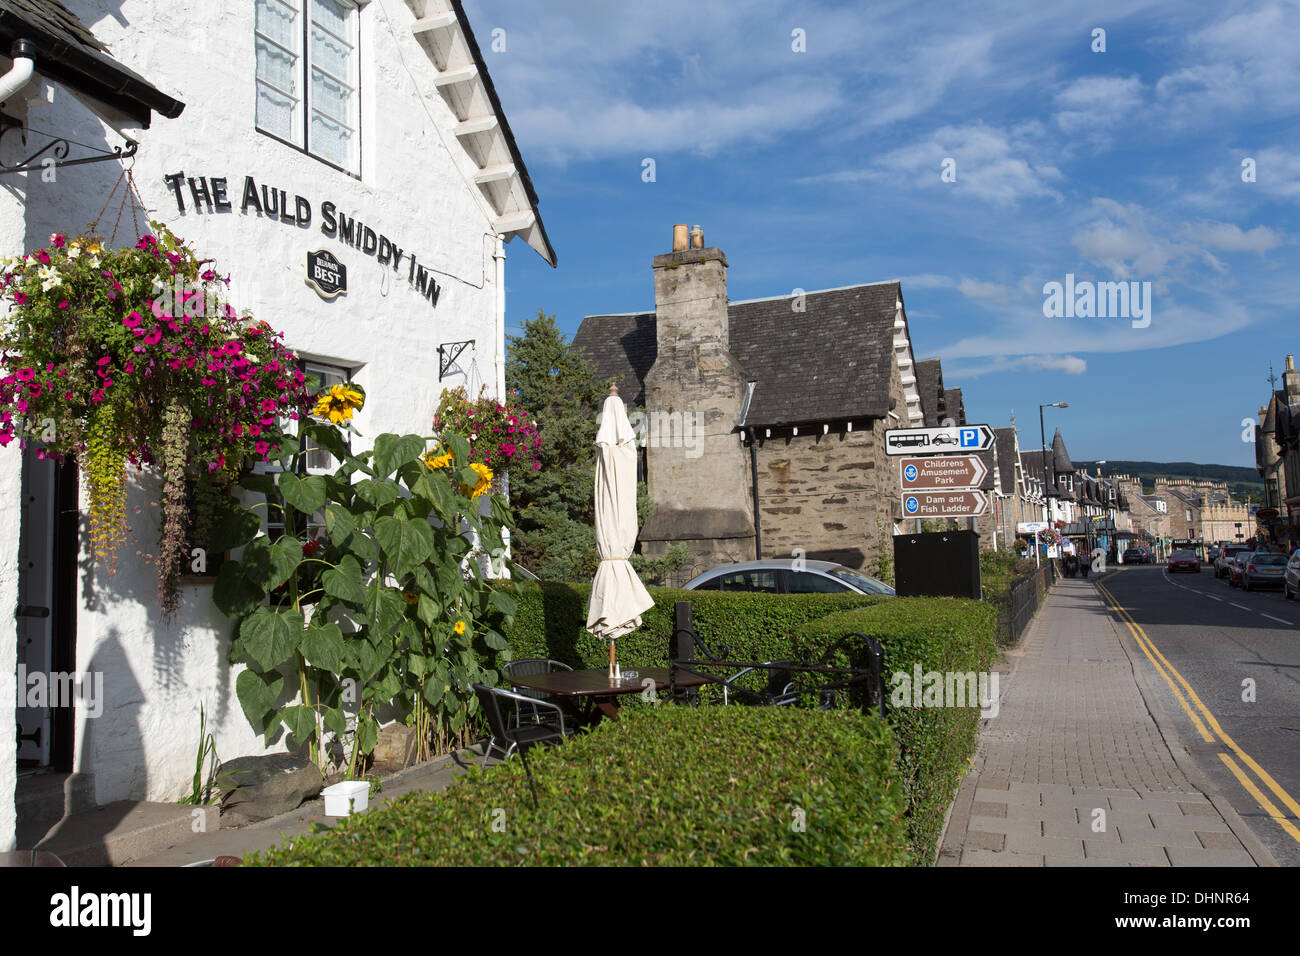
(1073, 770)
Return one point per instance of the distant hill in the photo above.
(1241, 481)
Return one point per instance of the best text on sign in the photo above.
(213, 195)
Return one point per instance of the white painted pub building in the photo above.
(262, 132)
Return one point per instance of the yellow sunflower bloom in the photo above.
(339, 403)
(484, 481)
(434, 461)
(410, 597)
(460, 627)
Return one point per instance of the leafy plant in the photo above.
(500, 436)
(387, 605)
(135, 356)
(202, 792)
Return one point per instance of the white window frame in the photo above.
(302, 111)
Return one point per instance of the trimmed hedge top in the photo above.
(672, 786)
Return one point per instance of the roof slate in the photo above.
(1006, 448)
(954, 407)
(831, 362)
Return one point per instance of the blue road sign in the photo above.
(911, 505)
(970, 437)
(910, 472)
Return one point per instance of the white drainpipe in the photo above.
(21, 72)
(500, 257)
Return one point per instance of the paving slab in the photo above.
(1074, 734)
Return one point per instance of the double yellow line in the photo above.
(1209, 728)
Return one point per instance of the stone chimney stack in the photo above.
(694, 394)
(1291, 382)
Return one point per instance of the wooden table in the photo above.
(589, 695)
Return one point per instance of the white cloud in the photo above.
(989, 164)
(975, 289)
(1232, 238)
(1094, 106)
(1067, 364)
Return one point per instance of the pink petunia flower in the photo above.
(154, 336)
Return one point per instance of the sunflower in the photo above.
(434, 461)
(410, 597)
(459, 627)
(339, 403)
(484, 481)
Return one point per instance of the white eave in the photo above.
(482, 131)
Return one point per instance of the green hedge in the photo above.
(550, 617)
(935, 743)
(674, 786)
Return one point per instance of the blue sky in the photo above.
(822, 168)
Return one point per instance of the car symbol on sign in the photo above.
(944, 440)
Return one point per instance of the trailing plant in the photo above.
(136, 356)
(385, 605)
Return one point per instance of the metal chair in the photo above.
(519, 739)
(525, 666)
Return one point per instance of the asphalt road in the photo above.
(1222, 641)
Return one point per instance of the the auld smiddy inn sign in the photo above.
(211, 194)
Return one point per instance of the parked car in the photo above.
(1264, 569)
(1226, 555)
(781, 576)
(1291, 580)
(1212, 555)
(1138, 556)
(1184, 561)
(1237, 568)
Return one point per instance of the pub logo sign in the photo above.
(326, 274)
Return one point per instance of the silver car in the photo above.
(788, 576)
(1291, 582)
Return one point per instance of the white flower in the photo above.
(74, 251)
(49, 277)
(473, 437)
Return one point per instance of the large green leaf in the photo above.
(263, 483)
(269, 565)
(306, 493)
(336, 720)
(339, 522)
(384, 609)
(327, 437)
(429, 610)
(450, 582)
(270, 637)
(377, 493)
(233, 594)
(392, 451)
(346, 582)
(235, 527)
(494, 640)
(257, 696)
(406, 542)
(301, 722)
(367, 733)
(324, 647)
(368, 657)
(502, 602)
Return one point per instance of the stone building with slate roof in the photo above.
(791, 396)
(929, 383)
(1277, 454)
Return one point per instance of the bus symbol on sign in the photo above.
(910, 472)
(970, 437)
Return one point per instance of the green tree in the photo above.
(554, 505)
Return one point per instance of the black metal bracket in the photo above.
(59, 149)
(448, 352)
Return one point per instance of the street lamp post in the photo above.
(1042, 433)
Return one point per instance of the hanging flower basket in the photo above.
(136, 356)
(500, 436)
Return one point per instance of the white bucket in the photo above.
(346, 798)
